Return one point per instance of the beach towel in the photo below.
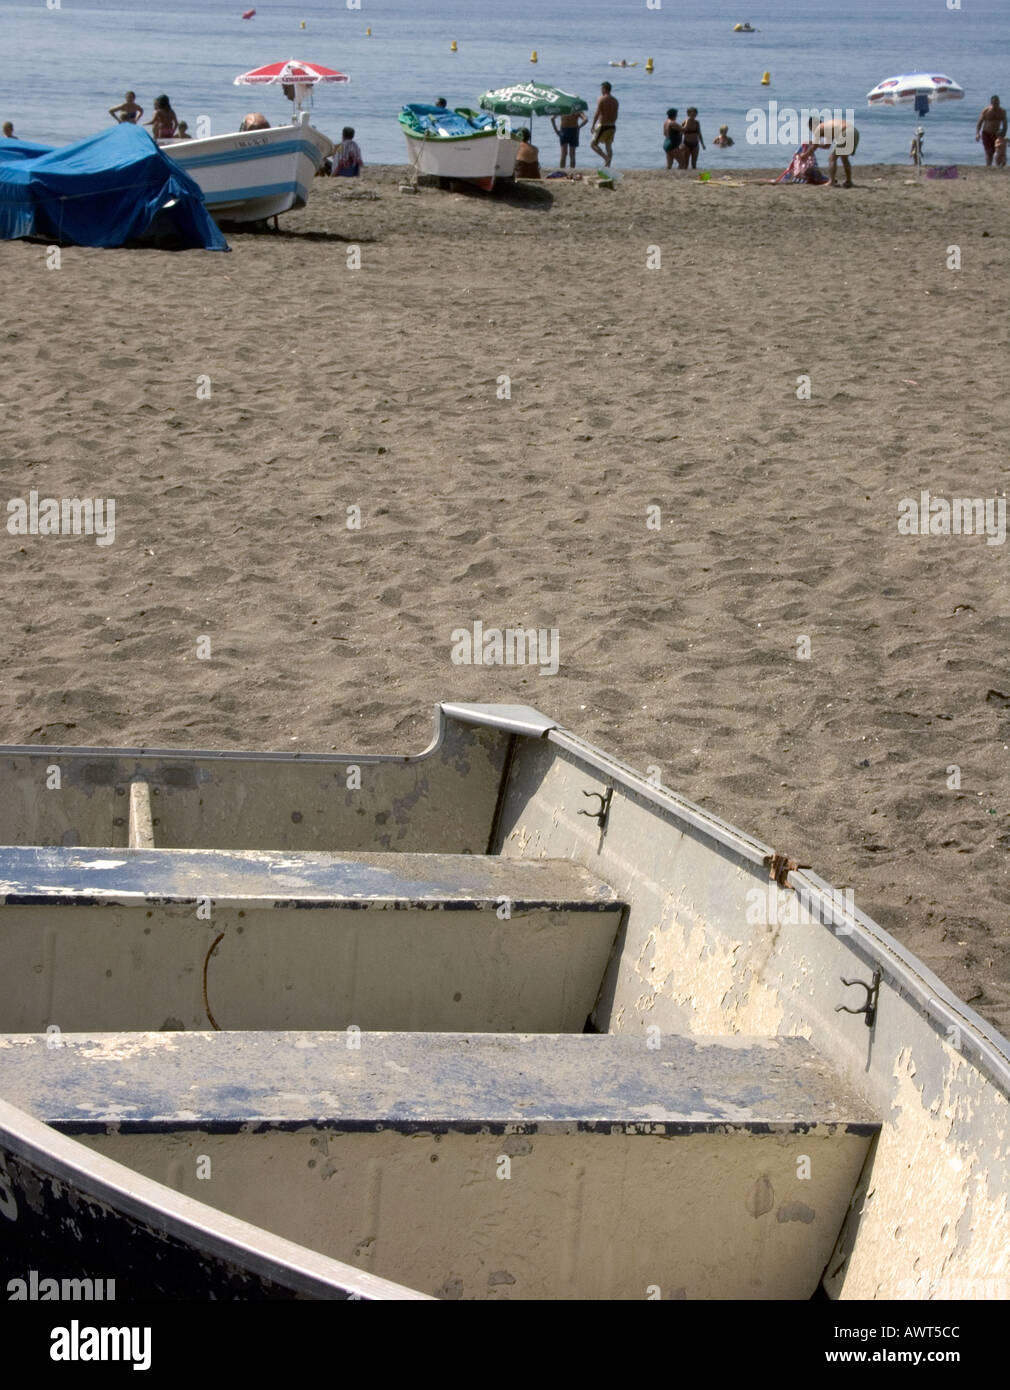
(802, 168)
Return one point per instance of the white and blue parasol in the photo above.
(917, 89)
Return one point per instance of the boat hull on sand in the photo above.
(458, 145)
(248, 176)
(522, 958)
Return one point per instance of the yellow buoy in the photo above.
(452, 46)
(368, 33)
(303, 24)
(648, 65)
(766, 80)
(533, 56)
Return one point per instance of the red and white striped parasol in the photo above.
(291, 73)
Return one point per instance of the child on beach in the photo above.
(915, 148)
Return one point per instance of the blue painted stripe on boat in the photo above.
(261, 190)
(248, 152)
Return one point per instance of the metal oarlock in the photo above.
(600, 816)
(869, 1008)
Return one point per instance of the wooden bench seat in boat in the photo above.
(192, 939)
(484, 1165)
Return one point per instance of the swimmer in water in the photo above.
(127, 112)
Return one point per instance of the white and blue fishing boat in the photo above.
(277, 1026)
(460, 144)
(248, 176)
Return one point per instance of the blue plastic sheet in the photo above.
(103, 191)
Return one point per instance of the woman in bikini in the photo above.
(692, 139)
(163, 123)
(127, 112)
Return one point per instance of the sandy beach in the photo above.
(236, 406)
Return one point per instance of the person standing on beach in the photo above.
(842, 139)
(127, 112)
(568, 133)
(605, 125)
(990, 127)
(672, 137)
(163, 123)
(693, 139)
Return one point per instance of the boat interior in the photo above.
(498, 1020)
(439, 120)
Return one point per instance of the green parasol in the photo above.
(531, 99)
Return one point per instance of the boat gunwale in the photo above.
(252, 1249)
(449, 139)
(901, 968)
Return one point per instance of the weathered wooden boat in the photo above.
(505, 1019)
(460, 144)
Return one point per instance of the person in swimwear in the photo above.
(527, 158)
(724, 139)
(163, 123)
(568, 133)
(693, 139)
(842, 140)
(990, 127)
(127, 112)
(672, 137)
(605, 124)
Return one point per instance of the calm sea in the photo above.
(78, 57)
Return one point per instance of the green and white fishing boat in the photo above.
(503, 1019)
(460, 144)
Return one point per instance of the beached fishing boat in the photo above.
(503, 1019)
(460, 144)
(248, 176)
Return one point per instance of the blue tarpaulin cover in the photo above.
(102, 191)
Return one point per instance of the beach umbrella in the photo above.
(531, 99)
(916, 89)
(291, 73)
